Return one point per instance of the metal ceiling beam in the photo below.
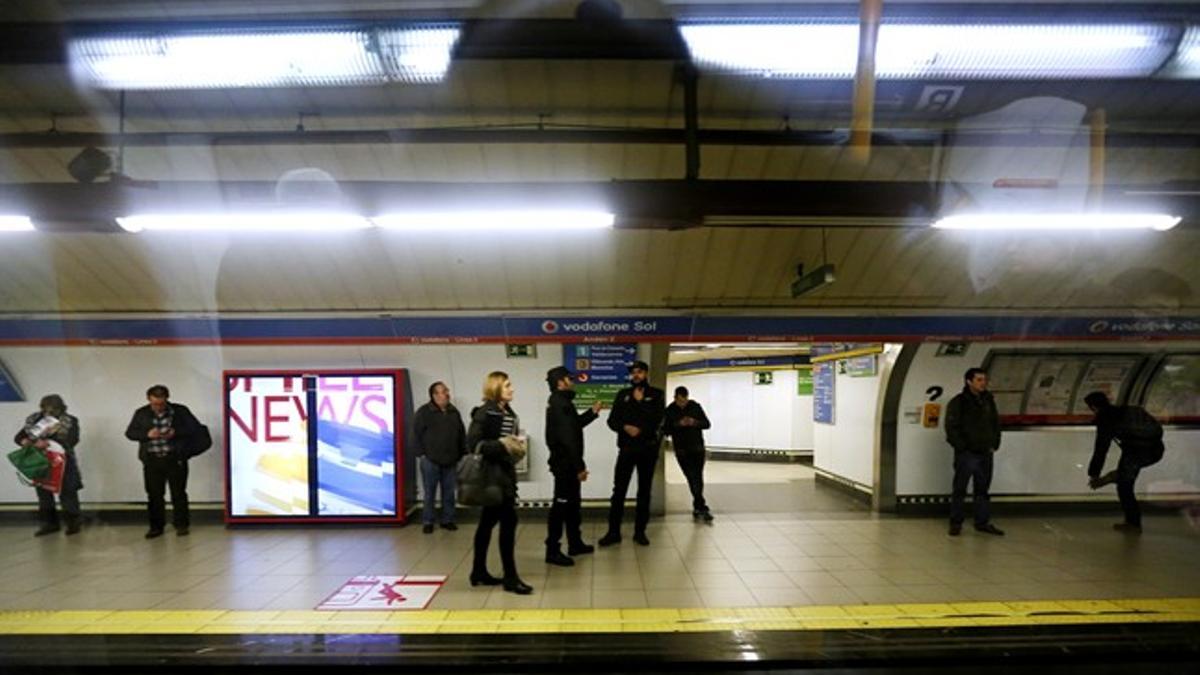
(665, 204)
(567, 135)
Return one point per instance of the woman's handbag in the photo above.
(475, 484)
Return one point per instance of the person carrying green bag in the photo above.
(53, 423)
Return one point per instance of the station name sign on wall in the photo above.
(558, 329)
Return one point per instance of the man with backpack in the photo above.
(1140, 438)
(168, 435)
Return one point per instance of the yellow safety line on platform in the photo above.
(841, 617)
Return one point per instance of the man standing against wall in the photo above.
(1140, 437)
(165, 433)
(973, 430)
(636, 416)
(441, 440)
(685, 423)
(564, 437)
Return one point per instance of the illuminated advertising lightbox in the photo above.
(313, 446)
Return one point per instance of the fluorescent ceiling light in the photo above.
(16, 224)
(298, 58)
(953, 51)
(1059, 221)
(244, 222)
(417, 55)
(1186, 64)
(497, 220)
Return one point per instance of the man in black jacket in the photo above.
(973, 430)
(1140, 438)
(685, 422)
(165, 433)
(440, 441)
(636, 416)
(564, 437)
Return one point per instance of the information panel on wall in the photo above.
(313, 446)
(824, 376)
(602, 370)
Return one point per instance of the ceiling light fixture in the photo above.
(829, 50)
(1186, 63)
(497, 220)
(16, 224)
(244, 222)
(1059, 221)
(263, 58)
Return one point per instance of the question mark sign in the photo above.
(934, 392)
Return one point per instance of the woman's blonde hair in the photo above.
(493, 385)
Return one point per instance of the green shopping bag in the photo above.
(30, 462)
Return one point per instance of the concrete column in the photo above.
(659, 354)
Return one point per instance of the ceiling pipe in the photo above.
(870, 15)
(588, 135)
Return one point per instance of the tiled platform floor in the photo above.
(748, 560)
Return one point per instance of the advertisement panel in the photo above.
(267, 428)
(313, 446)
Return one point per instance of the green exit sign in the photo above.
(522, 351)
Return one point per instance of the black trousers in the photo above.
(973, 467)
(644, 460)
(68, 496)
(506, 515)
(566, 512)
(159, 473)
(1131, 463)
(691, 462)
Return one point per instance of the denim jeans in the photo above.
(434, 475)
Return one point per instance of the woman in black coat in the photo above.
(495, 434)
(66, 433)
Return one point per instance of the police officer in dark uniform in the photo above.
(636, 416)
(564, 437)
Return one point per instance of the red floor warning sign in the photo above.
(379, 592)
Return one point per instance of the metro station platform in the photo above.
(841, 585)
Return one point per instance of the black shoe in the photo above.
(428, 529)
(182, 531)
(450, 526)
(955, 529)
(45, 530)
(154, 534)
(640, 538)
(989, 529)
(515, 585)
(484, 579)
(73, 528)
(610, 539)
(556, 557)
(706, 516)
(580, 549)
(1127, 528)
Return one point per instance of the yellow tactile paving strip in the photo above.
(844, 617)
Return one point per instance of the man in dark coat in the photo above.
(973, 430)
(636, 416)
(440, 440)
(564, 437)
(1140, 437)
(165, 433)
(685, 423)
